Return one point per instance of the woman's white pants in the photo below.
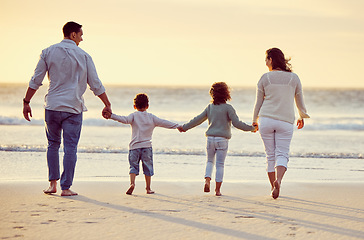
(276, 136)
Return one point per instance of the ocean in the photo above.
(329, 148)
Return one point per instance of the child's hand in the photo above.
(180, 129)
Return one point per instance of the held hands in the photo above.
(106, 112)
(180, 129)
(255, 125)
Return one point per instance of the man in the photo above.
(70, 70)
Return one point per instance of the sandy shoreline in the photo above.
(182, 211)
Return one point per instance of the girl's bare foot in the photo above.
(68, 192)
(150, 191)
(131, 189)
(207, 187)
(275, 192)
(217, 189)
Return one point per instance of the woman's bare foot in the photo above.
(68, 192)
(130, 190)
(207, 184)
(150, 191)
(275, 192)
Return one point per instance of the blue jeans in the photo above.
(71, 124)
(216, 147)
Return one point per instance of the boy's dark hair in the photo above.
(220, 93)
(141, 101)
(71, 27)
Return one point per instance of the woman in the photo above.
(276, 92)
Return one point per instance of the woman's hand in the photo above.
(300, 123)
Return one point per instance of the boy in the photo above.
(140, 147)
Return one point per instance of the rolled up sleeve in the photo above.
(39, 73)
(93, 79)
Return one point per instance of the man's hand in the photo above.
(106, 112)
(27, 111)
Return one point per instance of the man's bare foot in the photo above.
(50, 190)
(150, 191)
(130, 190)
(68, 192)
(207, 187)
(275, 192)
(52, 187)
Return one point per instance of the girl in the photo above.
(220, 115)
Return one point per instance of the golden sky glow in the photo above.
(191, 42)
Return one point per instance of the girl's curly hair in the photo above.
(220, 93)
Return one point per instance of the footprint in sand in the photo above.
(18, 227)
(49, 221)
(42, 205)
(244, 217)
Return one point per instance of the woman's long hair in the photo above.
(279, 62)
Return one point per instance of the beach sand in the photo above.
(180, 210)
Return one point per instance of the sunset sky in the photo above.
(191, 42)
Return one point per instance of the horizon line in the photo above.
(193, 86)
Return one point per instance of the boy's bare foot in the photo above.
(50, 190)
(275, 192)
(218, 194)
(150, 191)
(207, 187)
(68, 192)
(130, 190)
